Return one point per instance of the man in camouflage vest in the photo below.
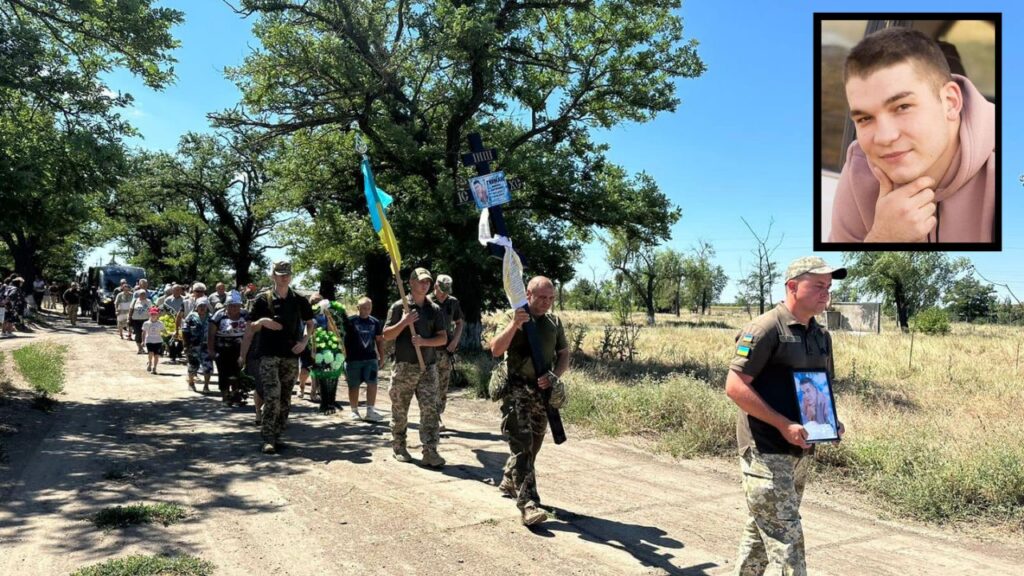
(773, 447)
(446, 354)
(407, 378)
(524, 417)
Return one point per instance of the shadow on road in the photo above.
(645, 543)
(122, 452)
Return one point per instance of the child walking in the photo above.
(152, 333)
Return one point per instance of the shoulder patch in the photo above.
(742, 350)
(747, 338)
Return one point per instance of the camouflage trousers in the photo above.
(444, 377)
(524, 422)
(773, 539)
(406, 381)
(278, 375)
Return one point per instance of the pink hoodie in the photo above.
(965, 196)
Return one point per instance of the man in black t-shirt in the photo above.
(280, 315)
(364, 356)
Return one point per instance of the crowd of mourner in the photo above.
(261, 343)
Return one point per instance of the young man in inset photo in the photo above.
(923, 166)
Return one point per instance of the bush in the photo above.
(931, 321)
(122, 516)
(42, 365)
(139, 565)
(683, 414)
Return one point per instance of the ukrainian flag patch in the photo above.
(743, 351)
(748, 338)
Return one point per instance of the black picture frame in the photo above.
(821, 428)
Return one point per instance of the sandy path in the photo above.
(334, 502)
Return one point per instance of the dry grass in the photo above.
(936, 436)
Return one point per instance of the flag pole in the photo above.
(361, 149)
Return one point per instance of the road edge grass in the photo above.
(124, 516)
(156, 565)
(42, 366)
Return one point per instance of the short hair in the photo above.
(891, 46)
(364, 300)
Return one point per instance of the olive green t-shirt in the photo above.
(429, 324)
(769, 349)
(552, 340)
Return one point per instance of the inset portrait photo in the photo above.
(907, 132)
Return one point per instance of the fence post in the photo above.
(910, 362)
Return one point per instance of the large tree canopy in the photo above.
(418, 77)
(61, 149)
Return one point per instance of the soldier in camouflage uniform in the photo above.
(524, 417)
(774, 452)
(407, 378)
(285, 322)
(446, 354)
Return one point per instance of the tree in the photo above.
(636, 262)
(418, 77)
(704, 281)
(55, 107)
(757, 285)
(51, 183)
(970, 300)
(156, 225)
(669, 296)
(908, 281)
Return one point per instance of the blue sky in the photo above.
(739, 145)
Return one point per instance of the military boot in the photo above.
(432, 459)
(401, 454)
(533, 515)
(507, 488)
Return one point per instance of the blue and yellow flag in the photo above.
(377, 200)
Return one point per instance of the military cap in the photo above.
(813, 265)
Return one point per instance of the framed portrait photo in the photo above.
(817, 405)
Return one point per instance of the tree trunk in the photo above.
(25, 258)
(649, 300)
(468, 290)
(329, 280)
(902, 313)
(379, 282)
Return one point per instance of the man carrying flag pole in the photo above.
(426, 332)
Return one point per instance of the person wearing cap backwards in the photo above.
(774, 453)
(407, 378)
(446, 354)
(285, 322)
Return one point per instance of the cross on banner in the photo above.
(476, 147)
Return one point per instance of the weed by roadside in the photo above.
(123, 516)
(685, 416)
(139, 565)
(42, 365)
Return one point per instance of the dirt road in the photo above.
(334, 502)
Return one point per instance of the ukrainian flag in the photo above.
(377, 200)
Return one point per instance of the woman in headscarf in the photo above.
(195, 331)
(227, 327)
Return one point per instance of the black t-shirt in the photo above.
(361, 337)
(431, 322)
(291, 312)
